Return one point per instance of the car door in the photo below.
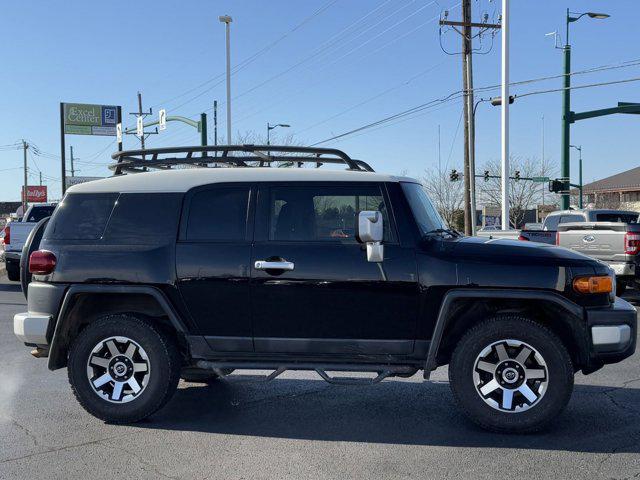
(212, 263)
(325, 297)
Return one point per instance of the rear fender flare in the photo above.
(61, 335)
(454, 295)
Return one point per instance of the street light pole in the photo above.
(504, 116)
(226, 19)
(565, 167)
(271, 127)
(579, 149)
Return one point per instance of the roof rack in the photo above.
(133, 161)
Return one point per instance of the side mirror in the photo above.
(370, 231)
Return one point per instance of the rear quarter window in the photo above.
(81, 216)
(144, 218)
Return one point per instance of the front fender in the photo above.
(449, 299)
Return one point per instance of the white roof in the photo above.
(185, 179)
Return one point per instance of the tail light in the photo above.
(7, 235)
(557, 238)
(631, 243)
(520, 237)
(42, 262)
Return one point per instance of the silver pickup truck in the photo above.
(16, 233)
(561, 217)
(614, 243)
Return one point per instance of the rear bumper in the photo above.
(35, 326)
(12, 256)
(31, 328)
(613, 332)
(623, 269)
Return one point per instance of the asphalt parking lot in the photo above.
(300, 427)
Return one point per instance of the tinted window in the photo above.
(571, 218)
(81, 216)
(617, 217)
(551, 222)
(323, 213)
(38, 213)
(144, 218)
(425, 214)
(218, 214)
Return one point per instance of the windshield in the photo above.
(425, 214)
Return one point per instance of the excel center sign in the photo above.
(88, 119)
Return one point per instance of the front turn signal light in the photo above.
(599, 284)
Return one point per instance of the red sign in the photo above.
(35, 193)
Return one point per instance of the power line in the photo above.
(454, 96)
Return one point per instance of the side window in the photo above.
(218, 214)
(323, 213)
(81, 216)
(551, 222)
(144, 218)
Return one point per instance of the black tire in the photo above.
(524, 416)
(13, 271)
(31, 245)
(621, 286)
(163, 361)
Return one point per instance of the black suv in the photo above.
(193, 272)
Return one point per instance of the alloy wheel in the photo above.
(510, 376)
(118, 369)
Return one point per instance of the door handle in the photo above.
(274, 265)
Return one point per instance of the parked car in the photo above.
(142, 279)
(615, 243)
(551, 222)
(16, 233)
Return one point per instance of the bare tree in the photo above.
(445, 194)
(523, 194)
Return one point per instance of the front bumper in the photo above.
(613, 332)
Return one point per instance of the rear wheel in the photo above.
(510, 374)
(123, 369)
(13, 271)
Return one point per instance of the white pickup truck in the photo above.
(16, 233)
(615, 243)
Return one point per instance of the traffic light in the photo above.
(486, 175)
(557, 186)
(454, 176)
(517, 175)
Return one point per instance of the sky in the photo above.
(325, 67)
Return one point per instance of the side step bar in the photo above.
(382, 371)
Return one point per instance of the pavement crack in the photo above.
(147, 466)
(26, 431)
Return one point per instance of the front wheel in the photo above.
(510, 374)
(123, 369)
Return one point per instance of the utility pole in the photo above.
(73, 172)
(141, 114)
(215, 124)
(466, 32)
(25, 145)
(544, 187)
(226, 19)
(40, 178)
